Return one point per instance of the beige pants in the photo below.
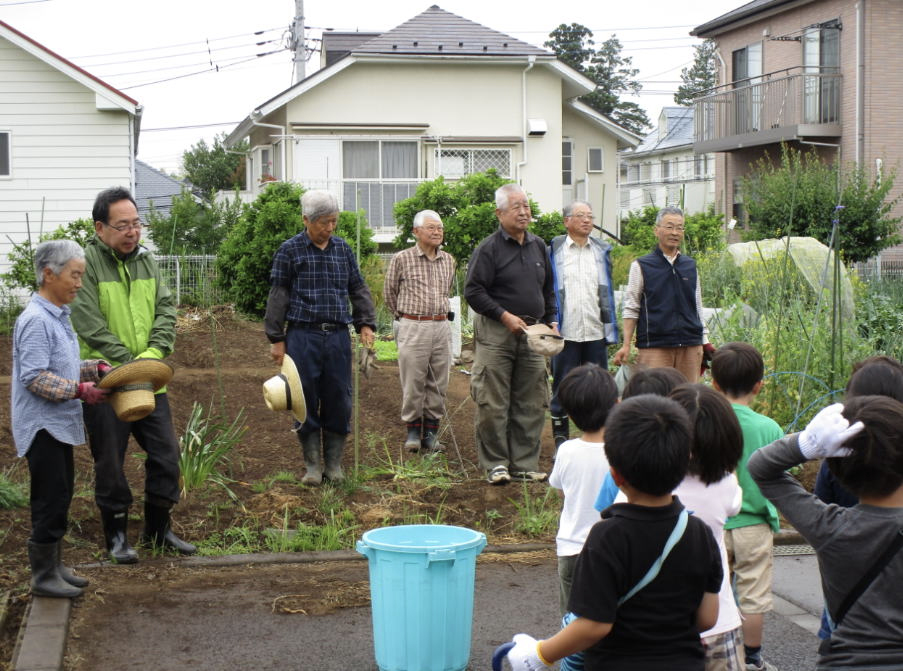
(424, 359)
(688, 360)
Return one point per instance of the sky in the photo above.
(194, 65)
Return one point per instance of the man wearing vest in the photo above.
(663, 304)
(581, 272)
(123, 312)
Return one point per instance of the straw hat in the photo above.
(284, 392)
(543, 340)
(133, 385)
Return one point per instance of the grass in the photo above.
(537, 515)
(13, 494)
(205, 448)
(337, 533)
(386, 350)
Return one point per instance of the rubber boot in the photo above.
(412, 442)
(333, 446)
(114, 532)
(430, 435)
(45, 579)
(560, 430)
(158, 531)
(310, 446)
(65, 572)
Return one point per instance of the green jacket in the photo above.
(123, 311)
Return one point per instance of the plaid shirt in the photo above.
(321, 281)
(56, 388)
(418, 285)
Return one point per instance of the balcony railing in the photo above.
(779, 106)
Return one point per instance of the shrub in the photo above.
(193, 226)
(347, 230)
(21, 273)
(704, 231)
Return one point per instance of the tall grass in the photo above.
(205, 448)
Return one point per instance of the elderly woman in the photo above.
(48, 383)
(314, 276)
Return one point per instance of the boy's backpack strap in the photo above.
(673, 539)
(868, 578)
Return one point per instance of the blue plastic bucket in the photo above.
(421, 592)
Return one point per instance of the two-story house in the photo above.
(664, 170)
(812, 73)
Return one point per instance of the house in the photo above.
(438, 95)
(64, 136)
(154, 188)
(664, 170)
(812, 73)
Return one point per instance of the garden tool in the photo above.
(366, 361)
(158, 531)
(310, 447)
(115, 525)
(45, 578)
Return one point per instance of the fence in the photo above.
(878, 269)
(192, 279)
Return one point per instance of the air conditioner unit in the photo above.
(537, 127)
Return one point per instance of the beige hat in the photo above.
(543, 340)
(284, 392)
(133, 385)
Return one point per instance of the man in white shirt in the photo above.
(581, 270)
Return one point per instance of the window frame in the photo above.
(379, 159)
(8, 154)
(439, 152)
(589, 159)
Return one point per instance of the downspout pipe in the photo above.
(531, 61)
(860, 82)
(253, 118)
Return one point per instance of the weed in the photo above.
(232, 540)
(537, 515)
(205, 447)
(12, 494)
(264, 485)
(386, 350)
(338, 533)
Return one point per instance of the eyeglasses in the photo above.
(672, 229)
(586, 217)
(432, 229)
(127, 227)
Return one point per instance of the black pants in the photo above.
(109, 438)
(52, 472)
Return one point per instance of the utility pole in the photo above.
(299, 44)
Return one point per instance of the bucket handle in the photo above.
(500, 653)
(440, 555)
(364, 549)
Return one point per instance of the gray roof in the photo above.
(742, 12)
(438, 32)
(151, 185)
(337, 45)
(680, 131)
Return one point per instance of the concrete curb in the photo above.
(42, 642)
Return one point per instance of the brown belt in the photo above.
(426, 318)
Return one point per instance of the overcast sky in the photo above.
(193, 64)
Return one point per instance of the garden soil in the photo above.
(221, 362)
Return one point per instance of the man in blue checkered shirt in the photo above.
(314, 276)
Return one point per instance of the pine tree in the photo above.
(700, 77)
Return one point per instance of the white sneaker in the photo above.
(499, 476)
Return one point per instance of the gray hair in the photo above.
(423, 215)
(568, 210)
(662, 213)
(55, 254)
(317, 204)
(503, 193)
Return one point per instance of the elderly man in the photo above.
(416, 292)
(314, 276)
(509, 286)
(663, 304)
(581, 267)
(125, 311)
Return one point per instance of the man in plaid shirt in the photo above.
(416, 291)
(314, 276)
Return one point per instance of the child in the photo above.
(587, 394)
(647, 442)
(658, 381)
(867, 458)
(711, 491)
(737, 371)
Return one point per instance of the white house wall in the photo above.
(63, 150)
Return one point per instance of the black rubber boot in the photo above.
(65, 572)
(333, 447)
(45, 579)
(310, 448)
(412, 442)
(158, 532)
(114, 532)
(560, 430)
(430, 435)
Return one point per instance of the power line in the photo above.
(199, 72)
(199, 125)
(181, 44)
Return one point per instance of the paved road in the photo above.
(234, 626)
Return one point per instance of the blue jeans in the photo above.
(323, 359)
(574, 354)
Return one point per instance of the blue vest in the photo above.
(668, 316)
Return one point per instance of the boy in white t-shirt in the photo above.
(587, 394)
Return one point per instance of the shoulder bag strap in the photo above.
(869, 577)
(675, 536)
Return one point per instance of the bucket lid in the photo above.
(423, 538)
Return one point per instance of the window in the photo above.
(633, 173)
(457, 163)
(277, 160)
(746, 71)
(266, 166)
(5, 156)
(666, 170)
(377, 174)
(595, 159)
(567, 162)
(672, 196)
(645, 172)
(821, 63)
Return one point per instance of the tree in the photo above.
(704, 231)
(700, 76)
(21, 274)
(800, 194)
(215, 168)
(612, 73)
(192, 227)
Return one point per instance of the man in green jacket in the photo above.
(123, 312)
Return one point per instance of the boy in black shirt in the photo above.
(647, 442)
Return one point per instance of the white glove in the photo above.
(524, 656)
(827, 432)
